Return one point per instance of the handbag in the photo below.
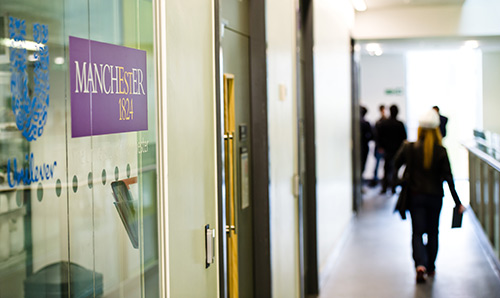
(403, 203)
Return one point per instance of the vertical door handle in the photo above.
(209, 245)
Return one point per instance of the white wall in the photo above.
(191, 146)
(378, 74)
(281, 70)
(473, 18)
(491, 91)
(332, 87)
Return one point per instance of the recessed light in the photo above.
(359, 5)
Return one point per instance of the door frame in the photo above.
(357, 199)
(219, 114)
(259, 147)
(259, 162)
(309, 214)
(160, 47)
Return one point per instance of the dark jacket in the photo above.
(376, 133)
(425, 181)
(366, 133)
(390, 135)
(442, 125)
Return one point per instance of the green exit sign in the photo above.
(395, 91)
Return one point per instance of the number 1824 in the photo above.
(126, 109)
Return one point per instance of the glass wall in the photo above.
(78, 195)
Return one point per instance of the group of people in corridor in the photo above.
(427, 167)
(388, 133)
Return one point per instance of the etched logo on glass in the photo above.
(30, 107)
(30, 111)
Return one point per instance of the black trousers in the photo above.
(425, 211)
(387, 181)
(364, 156)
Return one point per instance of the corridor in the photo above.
(375, 259)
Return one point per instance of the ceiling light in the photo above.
(471, 44)
(359, 5)
(32, 58)
(24, 44)
(374, 49)
(59, 60)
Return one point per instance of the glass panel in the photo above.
(80, 210)
(33, 208)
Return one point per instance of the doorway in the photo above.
(241, 56)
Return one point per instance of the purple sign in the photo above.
(108, 88)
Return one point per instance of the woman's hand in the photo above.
(461, 208)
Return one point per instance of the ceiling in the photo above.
(402, 46)
(376, 4)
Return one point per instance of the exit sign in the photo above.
(394, 91)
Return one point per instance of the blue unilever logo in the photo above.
(30, 113)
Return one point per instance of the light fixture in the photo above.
(471, 44)
(59, 60)
(32, 58)
(25, 44)
(374, 49)
(359, 5)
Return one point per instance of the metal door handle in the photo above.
(209, 246)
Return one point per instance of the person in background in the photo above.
(442, 122)
(391, 134)
(378, 151)
(427, 166)
(366, 137)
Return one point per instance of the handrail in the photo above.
(472, 146)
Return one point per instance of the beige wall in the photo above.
(281, 59)
(190, 146)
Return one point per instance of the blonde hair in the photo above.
(429, 137)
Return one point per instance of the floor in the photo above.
(375, 258)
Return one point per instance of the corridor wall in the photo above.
(282, 117)
(332, 88)
(491, 91)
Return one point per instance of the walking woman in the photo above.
(427, 166)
